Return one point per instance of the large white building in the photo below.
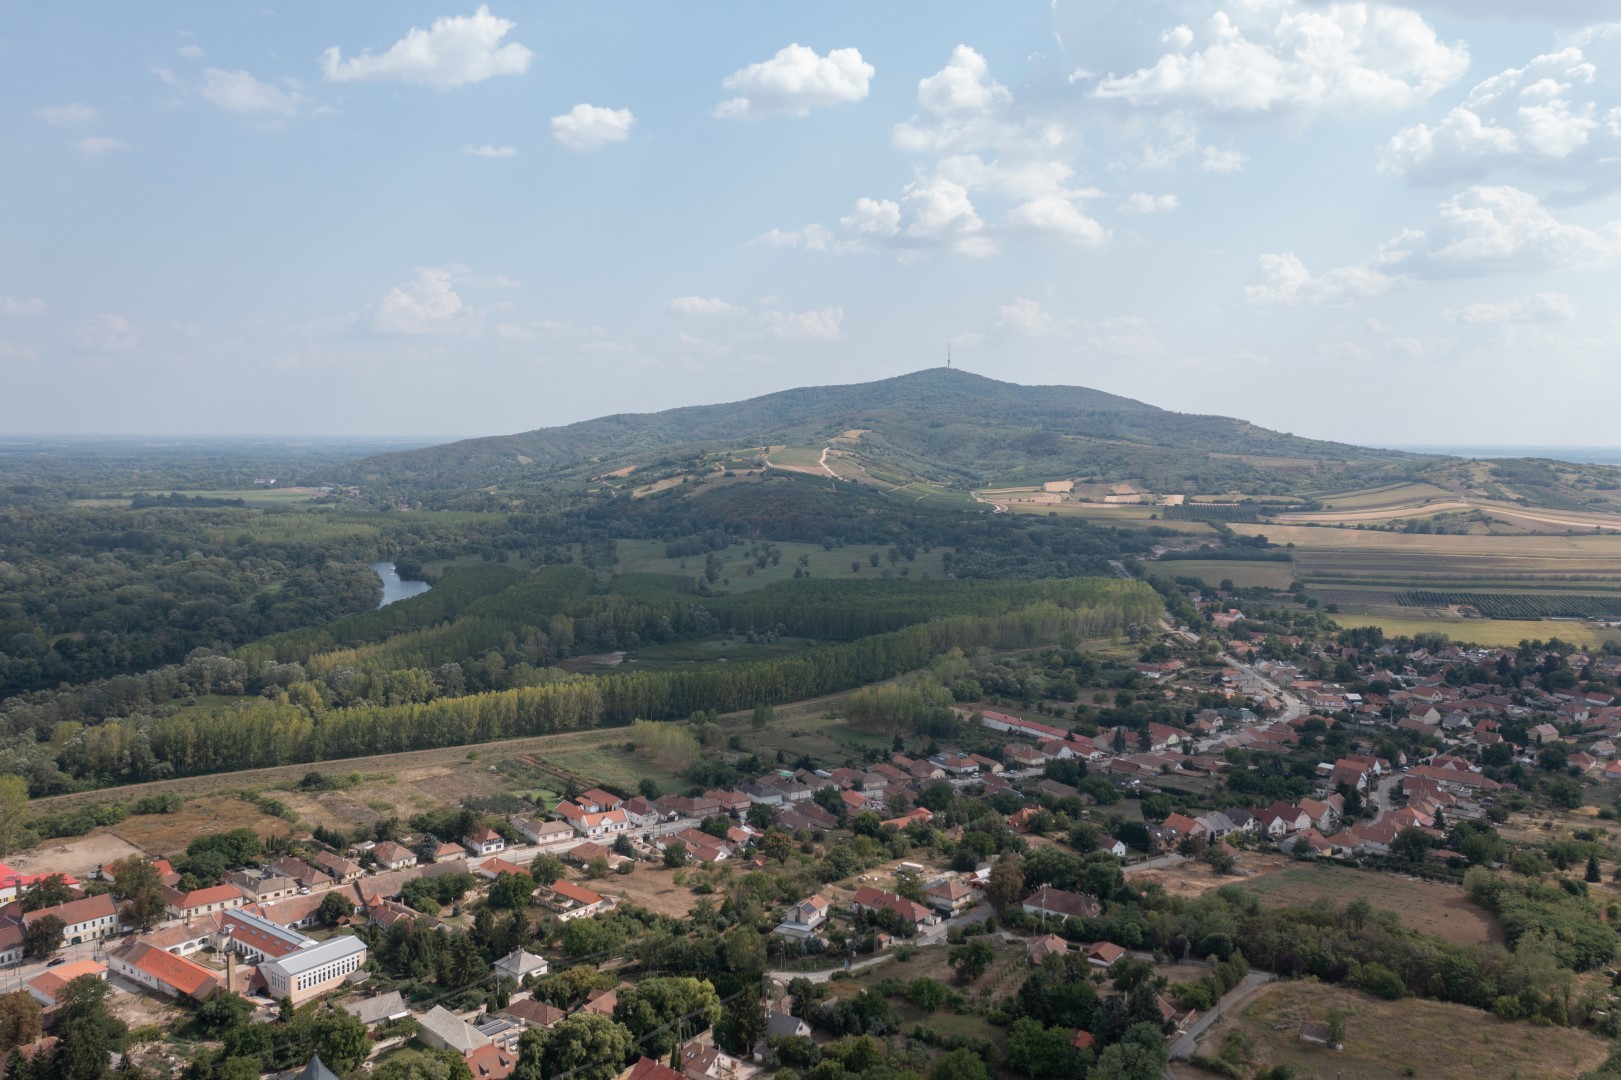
(312, 971)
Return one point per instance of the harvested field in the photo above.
(76, 856)
(1396, 1039)
(1428, 906)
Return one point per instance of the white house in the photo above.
(804, 917)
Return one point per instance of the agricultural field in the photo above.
(1245, 575)
(1382, 496)
(1490, 633)
(798, 458)
(1428, 906)
(1391, 1039)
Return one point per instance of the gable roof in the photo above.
(570, 891)
(75, 912)
(453, 1031)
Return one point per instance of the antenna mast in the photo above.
(948, 354)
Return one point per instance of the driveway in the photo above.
(1185, 1046)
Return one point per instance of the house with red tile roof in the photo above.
(868, 898)
(171, 975)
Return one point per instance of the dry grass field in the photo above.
(168, 834)
(1427, 906)
(1391, 1039)
(1490, 633)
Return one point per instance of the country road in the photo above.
(1185, 1046)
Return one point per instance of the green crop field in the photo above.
(1388, 495)
(1245, 575)
(798, 457)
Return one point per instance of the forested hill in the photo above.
(942, 425)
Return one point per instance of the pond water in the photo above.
(394, 586)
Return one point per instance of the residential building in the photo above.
(11, 942)
(46, 988)
(343, 870)
(804, 918)
(532, 1013)
(579, 901)
(444, 1030)
(950, 897)
(515, 965)
(262, 885)
(648, 1069)
(89, 919)
(868, 898)
(597, 801)
(1039, 948)
(1056, 903)
(484, 840)
(392, 856)
(1104, 954)
(378, 1010)
(314, 970)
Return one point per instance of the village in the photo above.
(913, 850)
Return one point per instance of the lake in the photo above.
(394, 586)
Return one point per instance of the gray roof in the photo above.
(317, 1070)
(307, 959)
(452, 1030)
(374, 1010)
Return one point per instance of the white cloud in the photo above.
(1285, 280)
(812, 237)
(957, 107)
(1542, 307)
(10, 305)
(703, 306)
(591, 127)
(70, 115)
(427, 305)
(109, 333)
(694, 344)
(1221, 161)
(1547, 113)
(95, 146)
(1485, 230)
(873, 218)
(1024, 316)
(1143, 203)
(1480, 231)
(794, 82)
(14, 350)
(490, 151)
(537, 330)
(1259, 55)
(823, 324)
(1061, 218)
(190, 51)
(240, 92)
(455, 51)
(939, 212)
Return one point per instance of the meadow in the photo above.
(1245, 575)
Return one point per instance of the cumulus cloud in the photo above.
(988, 153)
(1285, 280)
(240, 92)
(427, 305)
(1555, 112)
(108, 333)
(1478, 232)
(10, 305)
(95, 146)
(958, 107)
(822, 324)
(794, 82)
(74, 114)
(491, 151)
(1024, 316)
(1545, 307)
(455, 50)
(591, 127)
(190, 51)
(706, 307)
(1485, 230)
(1260, 55)
(1143, 203)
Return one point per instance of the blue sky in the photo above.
(1378, 223)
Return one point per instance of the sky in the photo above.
(1378, 223)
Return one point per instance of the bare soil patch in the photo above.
(76, 856)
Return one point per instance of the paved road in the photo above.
(1184, 1047)
(1381, 794)
(1292, 706)
(1158, 863)
(929, 935)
